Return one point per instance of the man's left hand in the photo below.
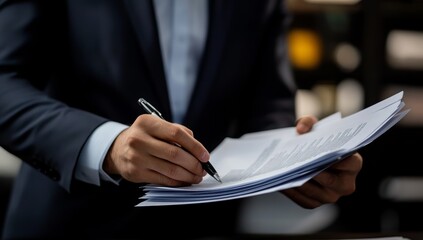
(328, 186)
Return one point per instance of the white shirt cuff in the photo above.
(89, 166)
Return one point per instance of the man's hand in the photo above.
(328, 186)
(146, 153)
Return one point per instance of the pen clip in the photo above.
(149, 108)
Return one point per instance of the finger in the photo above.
(298, 197)
(305, 124)
(312, 194)
(341, 183)
(169, 173)
(160, 179)
(145, 147)
(174, 133)
(342, 173)
(189, 131)
(353, 163)
(151, 169)
(341, 176)
(176, 155)
(144, 152)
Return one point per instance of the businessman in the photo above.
(71, 73)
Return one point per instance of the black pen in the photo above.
(152, 110)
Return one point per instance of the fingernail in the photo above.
(205, 156)
(302, 127)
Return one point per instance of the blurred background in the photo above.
(349, 54)
(346, 55)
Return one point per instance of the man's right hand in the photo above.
(146, 153)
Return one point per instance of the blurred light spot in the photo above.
(307, 103)
(274, 213)
(333, 1)
(347, 56)
(305, 48)
(349, 97)
(402, 188)
(405, 49)
(326, 93)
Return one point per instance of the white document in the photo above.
(274, 160)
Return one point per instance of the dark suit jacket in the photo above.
(68, 66)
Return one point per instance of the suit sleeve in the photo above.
(43, 132)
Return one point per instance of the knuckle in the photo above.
(130, 157)
(143, 119)
(140, 118)
(327, 179)
(131, 141)
(175, 132)
(189, 131)
(330, 180)
(173, 153)
(130, 173)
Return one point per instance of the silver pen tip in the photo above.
(217, 177)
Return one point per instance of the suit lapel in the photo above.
(219, 22)
(141, 14)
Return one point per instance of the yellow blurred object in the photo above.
(305, 49)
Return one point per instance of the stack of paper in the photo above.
(274, 160)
